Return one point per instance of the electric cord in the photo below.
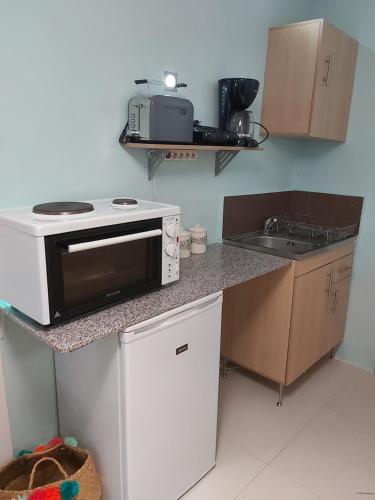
(124, 134)
(265, 129)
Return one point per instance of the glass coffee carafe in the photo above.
(241, 123)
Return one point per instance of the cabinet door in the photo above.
(256, 322)
(309, 322)
(289, 77)
(338, 310)
(333, 88)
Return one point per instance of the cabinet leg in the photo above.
(281, 395)
(332, 355)
(224, 368)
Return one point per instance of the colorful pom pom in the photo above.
(37, 495)
(40, 448)
(55, 441)
(69, 489)
(23, 452)
(52, 493)
(71, 441)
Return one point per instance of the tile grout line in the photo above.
(323, 406)
(252, 480)
(269, 463)
(335, 394)
(315, 413)
(337, 412)
(318, 496)
(296, 435)
(308, 422)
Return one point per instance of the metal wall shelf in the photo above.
(157, 153)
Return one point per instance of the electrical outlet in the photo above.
(181, 154)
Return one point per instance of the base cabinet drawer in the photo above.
(342, 268)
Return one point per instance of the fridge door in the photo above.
(170, 376)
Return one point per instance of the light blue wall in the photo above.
(67, 71)
(233, 41)
(355, 17)
(349, 169)
(67, 74)
(30, 387)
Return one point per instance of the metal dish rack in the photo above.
(286, 225)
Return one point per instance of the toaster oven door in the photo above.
(93, 268)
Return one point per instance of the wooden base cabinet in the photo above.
(318, 316)
(308, 80)
(280, 324)
(255, 323)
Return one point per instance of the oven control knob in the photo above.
(170, 250)
(171, 230)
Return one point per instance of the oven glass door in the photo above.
(96, 267)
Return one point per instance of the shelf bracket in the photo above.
(155, 159)
(222, 159)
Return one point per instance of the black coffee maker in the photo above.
(235, 96)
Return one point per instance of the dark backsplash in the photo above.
(247, 213)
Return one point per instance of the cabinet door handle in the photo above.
(328, 74)
(329, 290)
(335, 300)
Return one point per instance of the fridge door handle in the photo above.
(169, 318)
(106, 242)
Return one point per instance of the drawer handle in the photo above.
(328, 74)
(343, 269)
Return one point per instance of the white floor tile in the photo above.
(319, 384)
(331, 457)
(235, 468)
(249, 417)
(271, 485)
(357, 399)
(321, 444)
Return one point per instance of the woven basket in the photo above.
(50, 468)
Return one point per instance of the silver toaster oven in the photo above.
(160, 118)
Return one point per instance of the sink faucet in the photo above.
(269, 223)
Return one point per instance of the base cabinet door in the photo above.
(255, 324)
(309, 322)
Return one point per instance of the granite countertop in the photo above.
(221, 267)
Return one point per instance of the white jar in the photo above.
(185, 243)
(198, 239)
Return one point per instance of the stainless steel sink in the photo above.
(292, 248)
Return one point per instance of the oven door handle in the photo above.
(106, 242)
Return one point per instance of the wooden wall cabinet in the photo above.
(280, 324)
(308, 81)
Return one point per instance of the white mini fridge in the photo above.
(145, 402)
